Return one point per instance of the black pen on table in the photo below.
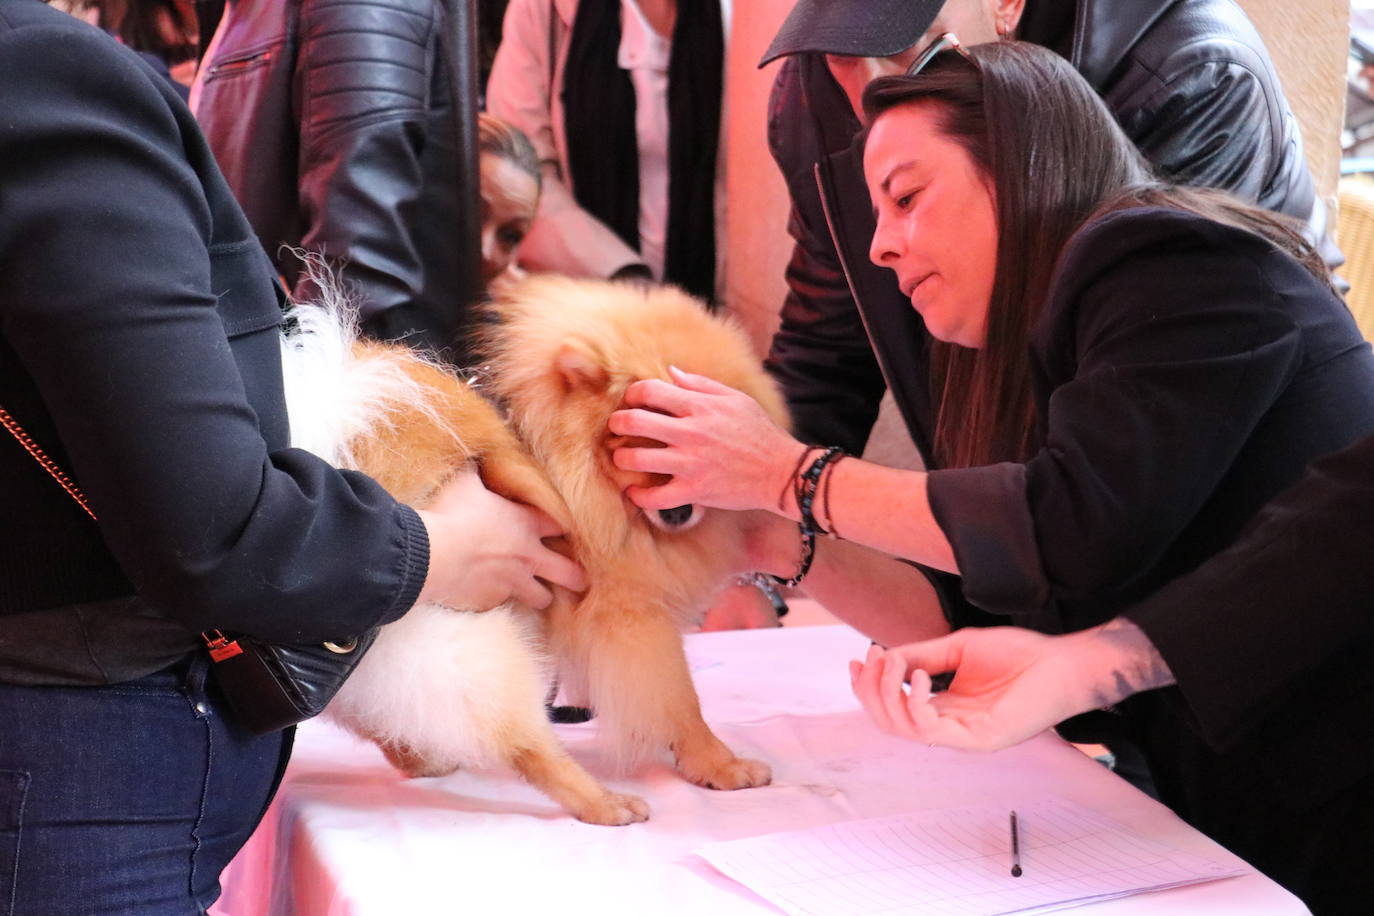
(1015, 848)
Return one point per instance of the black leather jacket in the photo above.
(331, 119)
(1188, 80)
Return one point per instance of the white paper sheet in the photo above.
(957, 862)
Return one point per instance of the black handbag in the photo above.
(270, 686)
(273, 685)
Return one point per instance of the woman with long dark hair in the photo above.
(1126, 372)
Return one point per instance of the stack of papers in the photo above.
(957, 862)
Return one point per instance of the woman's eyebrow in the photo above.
(886, 184)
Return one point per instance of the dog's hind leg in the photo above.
(543, 762)
(412, 763)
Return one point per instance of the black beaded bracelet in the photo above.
(807, 484)
(805, 493)
(808, 541)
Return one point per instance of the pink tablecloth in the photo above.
(348, 836)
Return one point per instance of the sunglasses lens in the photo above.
(924, 57)
(943, 43)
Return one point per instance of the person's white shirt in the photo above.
(644, 54)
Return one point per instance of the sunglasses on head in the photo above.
(946, 42)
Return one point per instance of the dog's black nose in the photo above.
(677, 516)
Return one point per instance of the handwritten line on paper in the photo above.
(954, 862)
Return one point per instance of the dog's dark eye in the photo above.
(678, 515)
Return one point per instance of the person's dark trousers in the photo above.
(127, 799)
(1322, 855)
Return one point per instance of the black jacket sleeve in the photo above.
(1295, 590)
(820, 355)
(364, 87)
(108, 233)
(1191, 127)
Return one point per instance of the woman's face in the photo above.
(937, 222)
(510, 196)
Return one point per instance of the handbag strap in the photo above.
(36, 451)
(220, 646)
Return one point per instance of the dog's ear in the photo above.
(581, 366)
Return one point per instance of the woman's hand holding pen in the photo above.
(1009, 684)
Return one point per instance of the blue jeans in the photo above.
(129, 798)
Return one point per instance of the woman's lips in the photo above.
(909, 288)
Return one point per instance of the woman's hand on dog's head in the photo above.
(485, 550)
(720, 448)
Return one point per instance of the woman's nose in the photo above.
(883, 249)
(490, 254)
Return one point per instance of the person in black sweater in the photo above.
(140, 349)
(1126, 372)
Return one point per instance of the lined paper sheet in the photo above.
(957, 862)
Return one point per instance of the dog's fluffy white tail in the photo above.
(334, 394)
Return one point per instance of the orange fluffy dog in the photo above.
(442, 688)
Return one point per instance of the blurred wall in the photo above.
(756, 218)
(1307, 40)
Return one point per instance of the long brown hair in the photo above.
(1055, 159)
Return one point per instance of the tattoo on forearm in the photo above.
(1142, 667)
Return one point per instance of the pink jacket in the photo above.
(524, 88)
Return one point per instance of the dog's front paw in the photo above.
(736, 773)
(615, 810)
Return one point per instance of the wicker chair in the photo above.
(1355, 235)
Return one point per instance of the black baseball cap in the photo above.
(853, 28)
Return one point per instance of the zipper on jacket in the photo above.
(239, 64)
(835, 240)
(904, 410)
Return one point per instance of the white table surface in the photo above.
(349, 836)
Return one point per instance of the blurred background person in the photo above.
(163, 32)
(334, 125)
(510, 197)
(622, 101)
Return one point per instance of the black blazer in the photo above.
(139, 345)
(1271, 644)
(1185, 373)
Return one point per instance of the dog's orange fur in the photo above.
(561, 357)
(414, 452)
(411, 453)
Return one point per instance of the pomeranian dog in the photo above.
(443, 688)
